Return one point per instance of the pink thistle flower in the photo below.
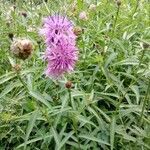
(61, 53)
(61, 57)
(55, 25)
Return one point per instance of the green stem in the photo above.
(119, 103)
(143, 52)
(115, 21)
(75, 129)
(74, 122)
(70, 100)
(114, 27)
(23, 83)
(144, 103)
(137, 4)
(69, 91)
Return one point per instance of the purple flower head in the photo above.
(61, 53)
(56, 25)
(61, 57)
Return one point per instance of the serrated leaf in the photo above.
(40, 98)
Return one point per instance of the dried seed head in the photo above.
(77, 31)
(21, 48)
(83, 16)
(92, 7)
(68, 84)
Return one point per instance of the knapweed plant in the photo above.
(74, 75)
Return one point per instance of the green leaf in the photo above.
(80, 4)
(92, 138)
(30, 126)
(135, 89)
(111, 57)
(103, 114)
(85, 120)
(56, 137)
(112, 132)
(129, 61)
(65, 139)
(35, 140)
(6, 77)
(40, 98)
(9, 88)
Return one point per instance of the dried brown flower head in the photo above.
(21, 48)
(68, 84)
(77, 31)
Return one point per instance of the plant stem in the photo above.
(114, 26)
(70, 100)
(115, 21)
(137, 4)
(74, 121)
(119, 103)
(69, 91)
(23, 83)
(144, 103)
(143, 52)
(75, 129)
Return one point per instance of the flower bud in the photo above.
(83, 16)
(24, 14)
(68, 84)
(92, 7)
(146, 45)
(11, 35)
(14, 6)
(38, 42)
(77, 31)
(21, 48)
(17, 67)
(118, 2)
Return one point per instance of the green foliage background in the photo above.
(108, 106)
